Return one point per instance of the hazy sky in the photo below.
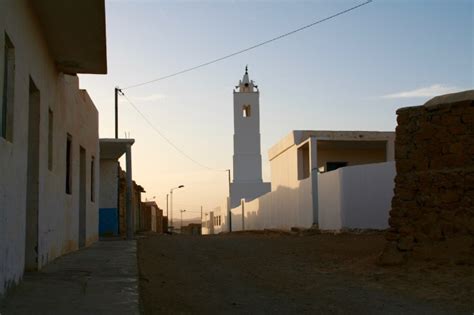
(350, 73)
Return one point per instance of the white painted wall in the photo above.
(74, 113)
(350, 197)
(283, 208)
(356, 196)
(109, 183)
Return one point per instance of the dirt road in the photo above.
(272, 273)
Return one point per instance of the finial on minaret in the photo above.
(247, 69)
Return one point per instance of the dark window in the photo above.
(92, 179)
(6, 112)
(331, 166)
(50, 140)
(68, 164)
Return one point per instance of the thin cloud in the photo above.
(429, 91)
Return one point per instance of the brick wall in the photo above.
(434, 186)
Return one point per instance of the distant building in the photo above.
(153, 217)
(213, 221)
(191, 229)
(247, 178)
(49, 146)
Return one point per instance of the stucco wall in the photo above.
(109, 183)
(356, 196)
(281, 209)
(74, 113)
(350, 197)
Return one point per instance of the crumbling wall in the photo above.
(433, 205)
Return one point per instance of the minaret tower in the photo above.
(247, 181)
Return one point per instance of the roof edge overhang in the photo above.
(76, 34)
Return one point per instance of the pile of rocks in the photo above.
(434, 186)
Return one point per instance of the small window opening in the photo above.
(303, 162)
(50, 139)
(6, 111)
(246, 111)
(68, 164)
(92, 179)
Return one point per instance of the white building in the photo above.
(332, 179)
(247, 182)
(48, 131)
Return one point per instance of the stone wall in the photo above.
(433, 206)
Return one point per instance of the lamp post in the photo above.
(181, 225)
(171, 205)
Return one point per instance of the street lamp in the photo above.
(171, 204)
(181, 226)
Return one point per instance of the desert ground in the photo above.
(271, 272)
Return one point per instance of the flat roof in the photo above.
(113, 149)
(76, 34)
(297, 137)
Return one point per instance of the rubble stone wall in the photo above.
(434, 186)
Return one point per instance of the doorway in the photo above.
(82, 198)
(32, 186)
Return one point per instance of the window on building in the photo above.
(93, 179)
(332, 166)
(246, 111)
(6, 112)
(303, 161)
(68, 164)
(50, 139)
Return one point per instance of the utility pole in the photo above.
(229, 213)
(181, 225)
(117, 92)
(201, 220)
(116, 111)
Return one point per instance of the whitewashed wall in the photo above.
(356, 196)
(74, 113)
(283, 208)
(350, 197)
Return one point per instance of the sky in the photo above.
(350, 73)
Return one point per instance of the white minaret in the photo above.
(247, 181)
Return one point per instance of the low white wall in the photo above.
(282, 208)
(350, 197)
(356, 196)
(329, 201)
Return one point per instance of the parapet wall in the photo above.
(434, 186)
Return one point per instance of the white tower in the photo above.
(247, 181)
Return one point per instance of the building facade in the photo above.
(49, 131)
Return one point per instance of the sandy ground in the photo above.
(286, 274)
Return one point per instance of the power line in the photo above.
(249, 48)
(166, 138)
